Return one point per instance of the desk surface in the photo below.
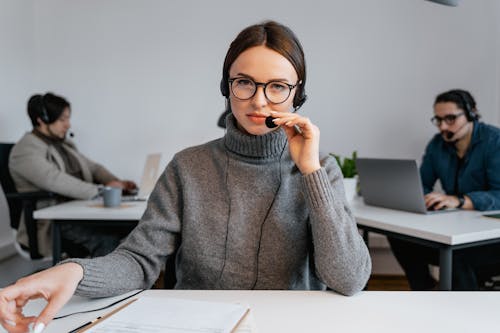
(92, 210)
(314, 311)
(451, 228)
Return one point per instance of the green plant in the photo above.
(347, 165)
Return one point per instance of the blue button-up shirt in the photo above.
(478, 176)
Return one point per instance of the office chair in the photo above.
(169, 279)
(19, 203)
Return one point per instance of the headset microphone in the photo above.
(270, 123)
(450, 135)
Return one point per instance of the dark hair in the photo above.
(48, 108)
(277, 37)
(463, 100)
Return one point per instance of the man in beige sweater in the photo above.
(44, 159)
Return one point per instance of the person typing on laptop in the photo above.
(465, 157)
(45, 159)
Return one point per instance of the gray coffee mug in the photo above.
(111, 196)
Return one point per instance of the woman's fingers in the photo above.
(56, 302)
(298, 124)
(56, 285)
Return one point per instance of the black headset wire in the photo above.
(267, 215)
(228, 208)
(98, 309)
(263, 221)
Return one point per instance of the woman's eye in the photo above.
(244, 82)
(278, 86)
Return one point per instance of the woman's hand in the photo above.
(56, 285)
(304, 145)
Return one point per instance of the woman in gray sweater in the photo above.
(259, 208)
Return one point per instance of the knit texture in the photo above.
(241, 216)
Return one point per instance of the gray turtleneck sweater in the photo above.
(241, 216)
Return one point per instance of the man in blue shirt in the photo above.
(465, 157)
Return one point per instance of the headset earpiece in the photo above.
(224, 89)
(469, 113)
(300, 97)
(44, 115)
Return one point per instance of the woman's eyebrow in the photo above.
(273, 79)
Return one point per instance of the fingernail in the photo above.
(275, 119)
(273, 112)
(10, 322)
(39, 328)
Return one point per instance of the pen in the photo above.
(91, 323)
(85, 325)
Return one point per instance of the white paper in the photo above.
(172, 315)
(247, 325)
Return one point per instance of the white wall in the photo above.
(143, 76)
(16, 77)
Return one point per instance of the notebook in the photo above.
(167, 314)
(148, 180)
(392, 183)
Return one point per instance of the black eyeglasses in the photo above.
(449, 119)
(276, 92)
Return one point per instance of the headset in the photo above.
(469, 113)
(44, 115)
(299, 98)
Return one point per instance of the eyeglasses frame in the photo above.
(439, 120)
(263, 85)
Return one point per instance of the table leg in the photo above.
(445, 268)
(56, 243)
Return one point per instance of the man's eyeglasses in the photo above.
(449, 119)
(276, 92)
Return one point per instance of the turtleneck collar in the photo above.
(256, 146)
(47, 139)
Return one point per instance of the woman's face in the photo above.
(260, 64)
(60, 127)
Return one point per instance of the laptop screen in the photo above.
(391, 183)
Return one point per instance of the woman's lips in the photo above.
(257, 119)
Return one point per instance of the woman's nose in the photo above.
(260, 97)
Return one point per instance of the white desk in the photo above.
(446, 231)
(88, 212)
(314, 311)
(91, 210)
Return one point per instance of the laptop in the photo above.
(149, 177)
(392, 183)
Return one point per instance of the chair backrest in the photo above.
(15, 206)
(5, 177)
(4, 208)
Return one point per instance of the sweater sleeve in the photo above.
(100, 174)
(136, 263)
(342, 260)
